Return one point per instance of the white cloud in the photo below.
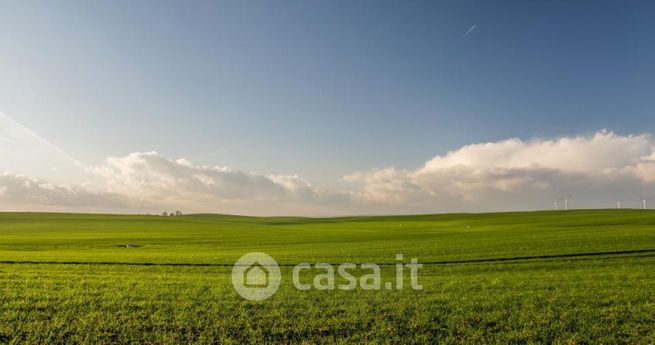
(511, 174)
(517, 174)
(593, 155)
(151, 177)
(149, 174)
(20, 192)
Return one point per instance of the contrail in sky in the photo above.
(223, 150)
(470, 30)
(14, 123)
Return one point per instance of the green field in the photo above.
(535, 277)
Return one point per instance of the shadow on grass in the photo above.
(449, 262)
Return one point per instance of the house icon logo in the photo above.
(256, 276)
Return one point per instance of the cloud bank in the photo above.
(517, 174)
(19, 192)
(151, 179)
(511, 174)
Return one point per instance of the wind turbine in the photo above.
(566, 201)
(643, 201)
(556, 206)
(618, 204)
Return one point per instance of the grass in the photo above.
(574, 277)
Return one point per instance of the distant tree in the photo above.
(164, 214)
(178, 213)
(171, 214)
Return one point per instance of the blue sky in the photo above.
(321, 88)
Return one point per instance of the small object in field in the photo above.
(468, 226)
(129, 245)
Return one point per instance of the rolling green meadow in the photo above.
(576, 277)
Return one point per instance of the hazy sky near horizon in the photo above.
(319, 95)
